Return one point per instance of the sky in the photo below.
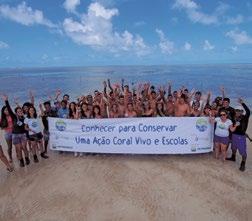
(46, 33)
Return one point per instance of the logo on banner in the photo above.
(201, 124)
(60, 125)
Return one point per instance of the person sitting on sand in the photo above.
(239, 133)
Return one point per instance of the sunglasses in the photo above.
(223, 115)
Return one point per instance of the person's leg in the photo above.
(242, 148)
(25, 150)
(9, 144)
(217, 150)
(18, 147)
(4, 160)
(223, 151)
(46, 140)
(42, 150)
(34, 151)
(233, 148)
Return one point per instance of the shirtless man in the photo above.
(121, 106)
(130, 112)
(182, 109)
(170, 106)
(114, 112)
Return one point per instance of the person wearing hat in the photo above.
(238, 130)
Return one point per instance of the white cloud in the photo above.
(239, 37)
(235, 20)
(187, 46)
(186, 4)
(70, 5)
(24, 15)
(207, 46)
(96, 30)
(195, 14)
(166, 46)
(3, 45)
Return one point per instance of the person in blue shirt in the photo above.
(63, 112)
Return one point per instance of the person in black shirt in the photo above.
(48, 112)
(18, 133)
(240, 125)
(225, 107)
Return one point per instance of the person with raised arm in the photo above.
(48, 111)
(6, 123)
(182, 109)
(240, 125)
(160, 109)
(19, 139)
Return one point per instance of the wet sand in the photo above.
(127, 187)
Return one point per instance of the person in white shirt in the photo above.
(32, 125)
(221, 134)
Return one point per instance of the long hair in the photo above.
(98, 107)
(35, 112)
(3, 122)
(83, 115)
(71, 112)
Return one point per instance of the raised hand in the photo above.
(58, 92)
(4, 97)
(240, 100)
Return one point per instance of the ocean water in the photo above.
(76, 81)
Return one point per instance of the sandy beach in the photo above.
(127, 187)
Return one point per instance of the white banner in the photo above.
(165, 135)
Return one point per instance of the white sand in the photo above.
(127, 187)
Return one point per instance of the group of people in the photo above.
(22, 126)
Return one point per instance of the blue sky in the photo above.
(124, 32)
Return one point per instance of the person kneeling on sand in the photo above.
(239, 133)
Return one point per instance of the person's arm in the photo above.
(208, 97)
(247, 114)
(27, 127)
(232, 127)
(222, 89)
(105, 89)
(42, 113)
(122, 85)
(5, 99)
(58, 93)
(32, 99)
(109, 85)
(169, 87)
